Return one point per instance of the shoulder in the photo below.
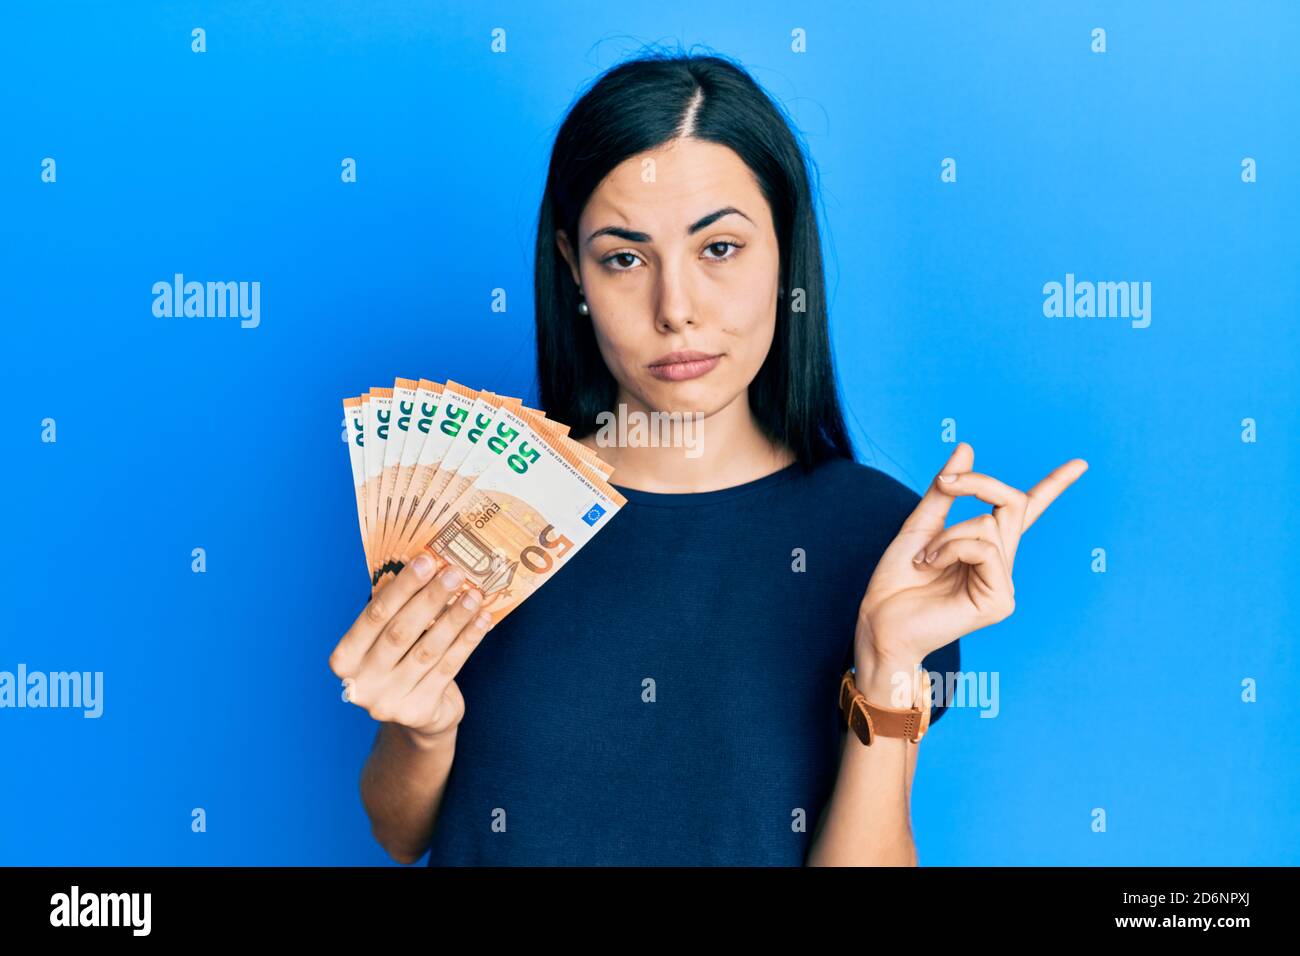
(881, 503)
(876, 493)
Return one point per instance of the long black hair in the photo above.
(637, 106)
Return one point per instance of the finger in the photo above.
(381, 581)
(1046, 491)
(992, 586)
(931, 511)
(435, 679)
(1009, 505)
(405, 628)
(985, 585)
(386, 602)
(982, 528)
(432, 650)
(426, 709)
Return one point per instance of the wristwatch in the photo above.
(870, 721)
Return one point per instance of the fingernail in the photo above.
(946, 477)
(919, 556)
(470, 600)
(483, 619)
(452, 577)
(931, 556)
(423, 565)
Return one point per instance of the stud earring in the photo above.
(583, 308)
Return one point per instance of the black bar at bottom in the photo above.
(944, 905)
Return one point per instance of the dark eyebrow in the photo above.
(629, 235)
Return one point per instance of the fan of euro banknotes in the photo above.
(476, 479)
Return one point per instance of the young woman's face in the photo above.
(676, 251)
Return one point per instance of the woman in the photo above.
(673, 696)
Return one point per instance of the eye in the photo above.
(723, 244)
(609, 259)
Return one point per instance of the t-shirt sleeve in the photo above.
(941, 663)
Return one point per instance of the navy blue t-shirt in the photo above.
(670, 696)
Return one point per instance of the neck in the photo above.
(692, 452)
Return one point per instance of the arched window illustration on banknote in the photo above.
(457, 541)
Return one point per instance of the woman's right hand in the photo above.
(399, 658)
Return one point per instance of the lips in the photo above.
(679, 366)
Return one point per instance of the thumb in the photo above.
(931, 511)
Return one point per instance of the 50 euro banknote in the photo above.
(454, 453)
(509, 500)
(400, 442)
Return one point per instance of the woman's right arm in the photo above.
(401, 788)
(398, 660)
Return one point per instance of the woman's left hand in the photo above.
(962, 581)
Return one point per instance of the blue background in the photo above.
(1118, 690)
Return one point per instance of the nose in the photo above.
(675, 309)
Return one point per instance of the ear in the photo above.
(562, 243)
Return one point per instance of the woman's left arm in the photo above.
(867, 821)
(931, 586)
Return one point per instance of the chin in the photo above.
(685, 397)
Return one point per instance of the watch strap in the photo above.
(869, 720)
